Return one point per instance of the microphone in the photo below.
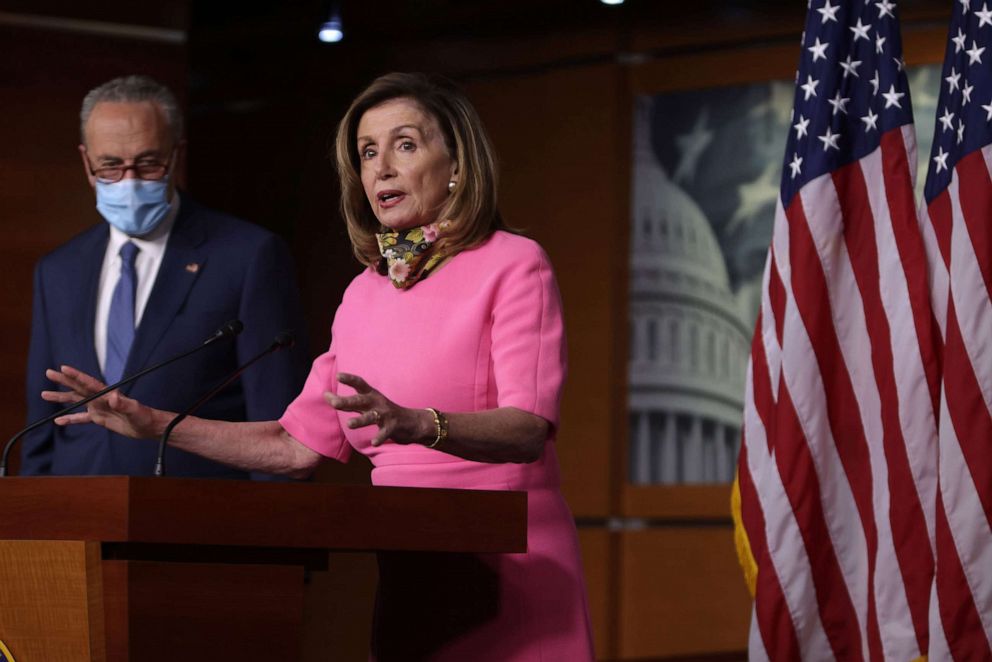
(283, 340)
(229, 330)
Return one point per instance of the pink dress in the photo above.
(484, 331)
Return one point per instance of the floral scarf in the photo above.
(409, 255)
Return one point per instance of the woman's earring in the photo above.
(451, 186)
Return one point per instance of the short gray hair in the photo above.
(134, 89)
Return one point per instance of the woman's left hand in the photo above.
(398, 424)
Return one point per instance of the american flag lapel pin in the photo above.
(193, 267)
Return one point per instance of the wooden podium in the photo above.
(147, 569)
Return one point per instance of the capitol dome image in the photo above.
(688, 345)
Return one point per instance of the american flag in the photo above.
(836, 478)
(956, 222)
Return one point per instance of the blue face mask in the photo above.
(133, 206)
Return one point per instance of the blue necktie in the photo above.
(120, 322)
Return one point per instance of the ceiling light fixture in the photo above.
(332, 31)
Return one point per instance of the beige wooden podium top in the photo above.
(189, 511)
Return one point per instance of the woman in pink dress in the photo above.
(445, 369)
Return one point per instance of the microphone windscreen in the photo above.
(228, 330)
(284, 340)
(231, 329)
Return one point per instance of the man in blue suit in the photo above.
(159, 277)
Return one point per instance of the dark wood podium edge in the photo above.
(96, 602)
(220, 514)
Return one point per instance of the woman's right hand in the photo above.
(114, 411)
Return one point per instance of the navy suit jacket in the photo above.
(215, 268)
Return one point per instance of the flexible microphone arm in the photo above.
(282, 341)
(229, 330)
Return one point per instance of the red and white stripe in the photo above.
(956, 225)
(837, 472)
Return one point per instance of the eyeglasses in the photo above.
(151, 170)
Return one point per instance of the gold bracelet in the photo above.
(440, 425)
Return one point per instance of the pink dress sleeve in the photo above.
(313, 422)
(528, 337)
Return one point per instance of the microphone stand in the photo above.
(229, 330)
(283, 340)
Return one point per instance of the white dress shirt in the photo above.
(151, 249)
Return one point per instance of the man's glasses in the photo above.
(151, 170)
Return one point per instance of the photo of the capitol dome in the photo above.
(688, 342)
